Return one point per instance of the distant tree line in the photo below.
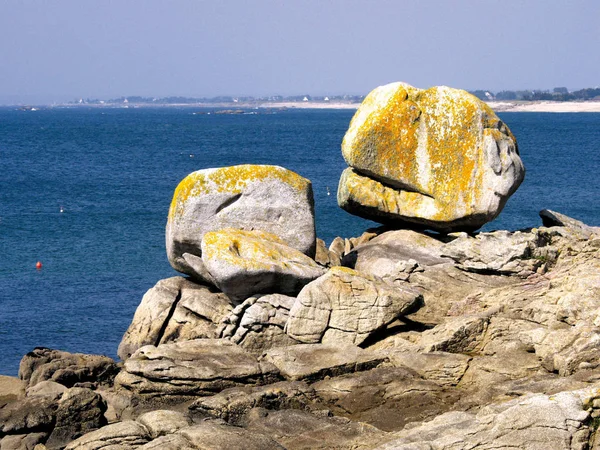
(558, 94)
(135, 99)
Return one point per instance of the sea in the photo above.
(86, 191)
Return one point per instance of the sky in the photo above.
(64, 49)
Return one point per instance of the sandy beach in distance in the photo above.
(546, 106)
(541, 106)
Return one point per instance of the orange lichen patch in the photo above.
(454, 142)
(389, 202)
(387, 139)
(231, 180)
(344, 272)
(252, 250)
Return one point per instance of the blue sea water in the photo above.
(113, 172)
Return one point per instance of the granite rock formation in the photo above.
(248, 197)
(437, 158)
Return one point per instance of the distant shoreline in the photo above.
(499, 106)
(545, 106)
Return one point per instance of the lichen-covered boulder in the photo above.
(249, 197)
(345, 306)
(245, 263)
(437, 158)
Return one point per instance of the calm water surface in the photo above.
(113, 172)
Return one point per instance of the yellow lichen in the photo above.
(252, 250)
(231, 180)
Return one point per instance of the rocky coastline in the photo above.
(419, 334)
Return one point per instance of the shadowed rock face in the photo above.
(249, 197)
(436, 158)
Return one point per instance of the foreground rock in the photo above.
(249, 197)
(347, 306)
(436, 158)
(534, 422)
(174, 310)
(487, 341)
(191, 368)
(68, 369)
(316, 361)
(245, 263)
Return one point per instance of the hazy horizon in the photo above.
(67, 49)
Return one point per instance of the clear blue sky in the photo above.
(63, 49)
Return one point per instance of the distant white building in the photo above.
(305, 99)
(125, 101)
(326, 99)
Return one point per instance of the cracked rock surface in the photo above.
(500, 351)
(346, 306)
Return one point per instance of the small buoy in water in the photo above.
(38, 265)
(191, 155)
(328, 193)
(61, 209)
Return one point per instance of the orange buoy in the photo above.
(38, 265)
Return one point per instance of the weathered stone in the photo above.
(215, 435)
(29, 441)
(66, 368)
(174, 309)
(249, 197)
(347, 306)
(296, 430)
(79, 412)
(456, 335)
(163, 422)
(28, 415)
(258, 323)
(246, 263)
(197, 367)
(445, 369)
(555, 219)
(124, 435)
(502, 252)
(386, 397)
(533, 422)
(315, 361)
(11, 389)
(438, 158)
(395, 255)
(47, 388)
(232, 405)
(337, 246)
(326, 257)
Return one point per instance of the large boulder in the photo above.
(345, 306)
(245, 263)
(249, 197)
(436, 158)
